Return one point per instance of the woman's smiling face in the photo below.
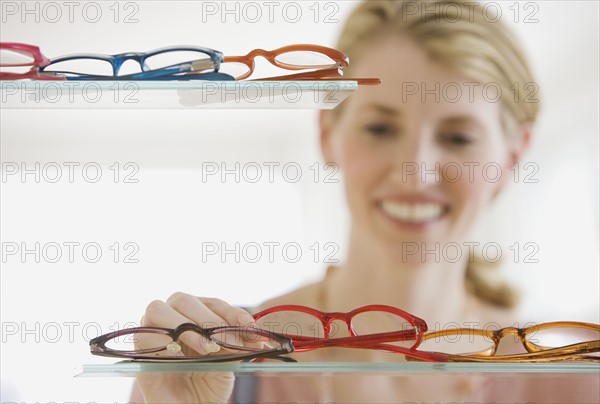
(420, 160)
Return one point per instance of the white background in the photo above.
(50, 310)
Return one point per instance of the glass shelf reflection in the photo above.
(28, 94)
(128, 368)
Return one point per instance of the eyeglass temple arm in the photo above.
(32, 74)
(332, 74)
(282, 358)
(242, 356)
(523, 358)
(361, 81)
(203, 64)
(408, 352)
(302, 342)
(412, 353)
(311, 75)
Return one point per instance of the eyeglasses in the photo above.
(164, 63)
(173, 63)
(167, 63)
(323, 62)
(368, 328)
(546, 342)
(155, 344)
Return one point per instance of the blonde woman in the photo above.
(448, 99)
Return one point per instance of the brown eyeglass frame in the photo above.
(98, 344)
(535, 353)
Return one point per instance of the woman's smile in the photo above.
(415, 212)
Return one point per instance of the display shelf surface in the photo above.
(128, 368)
(379, 382)
(28, 94)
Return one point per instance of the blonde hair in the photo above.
(465, 37)
(458, 34)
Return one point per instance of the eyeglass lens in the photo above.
(305, 59)
(459, 344)
(469, 343)
(12, 57)
(162, 345)
(15, 61)
(556, 337)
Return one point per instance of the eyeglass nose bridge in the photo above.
(119, 60)
(329, 325)
(514, 331)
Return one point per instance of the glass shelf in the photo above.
(379, 382)
(128, 368)
(26, 94)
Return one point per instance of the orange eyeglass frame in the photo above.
(332, 73)
(535, 353)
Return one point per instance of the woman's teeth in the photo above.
(413, 212)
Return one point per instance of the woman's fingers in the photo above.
(206, 312)
(192, 308)
(178, 309)
(232, 315)
(161, 314)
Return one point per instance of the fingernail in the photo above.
(212, 346)
(202, 345)
(173, 347)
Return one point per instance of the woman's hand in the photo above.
(197, 387)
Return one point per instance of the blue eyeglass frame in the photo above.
(166, 73)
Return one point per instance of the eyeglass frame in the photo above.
(534, 353)
(371, 341)
(117, 61)
(39, 60)
(340, 59)
(98, 344)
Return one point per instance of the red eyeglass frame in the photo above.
(372, 341)
(39, 60)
